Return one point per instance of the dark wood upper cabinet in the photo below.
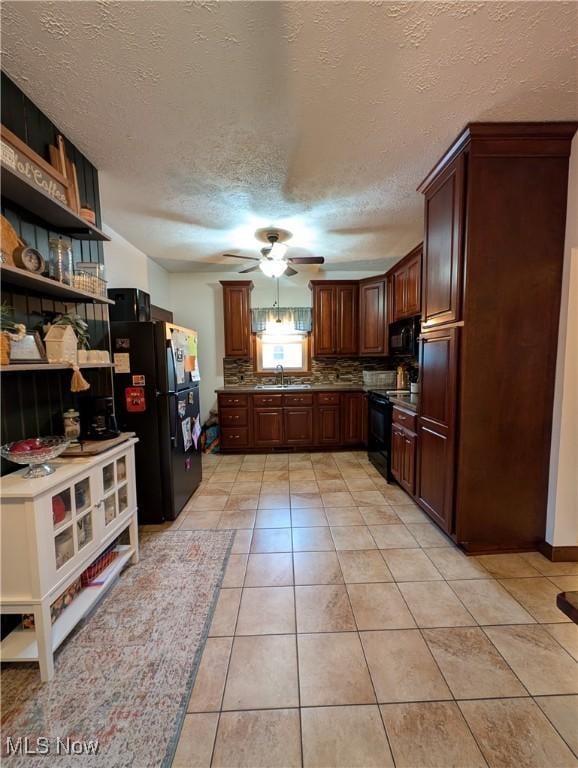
(237, 317)
(413, 285)
(490, 312)
(347, 322)
(352, 406)
(324, 319)
(373, 336)
(399, 279)
(335, 318)
(267, 427)
(442, 256)
(405, 285)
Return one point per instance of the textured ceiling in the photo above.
(210, 119)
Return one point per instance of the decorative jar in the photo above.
(60, 260)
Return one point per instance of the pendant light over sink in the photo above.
(274, 261)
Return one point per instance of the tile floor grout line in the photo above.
(560, 623)
(554, 726)
(377, 704)
(226, 675)
(301, 748)
(382, 703)
(476, 742)
(441, 671)
(513, 626)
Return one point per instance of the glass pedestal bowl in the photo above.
(36, 452)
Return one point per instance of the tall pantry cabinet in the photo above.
(495, 211)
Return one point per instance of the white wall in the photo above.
(562, 516)
(127, 267)
(196, 300)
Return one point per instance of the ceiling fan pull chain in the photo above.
(278, 307)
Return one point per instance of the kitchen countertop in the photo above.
(251, 388)
(409, 402)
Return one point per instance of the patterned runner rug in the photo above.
(124, 677)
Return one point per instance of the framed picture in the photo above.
(30, 349)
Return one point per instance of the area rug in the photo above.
(124, 678)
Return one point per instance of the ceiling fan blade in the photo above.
(306, 259)
(289, 272)
(236, 256)
(251, 269)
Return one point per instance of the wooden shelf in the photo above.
(20, 644)
(47, 287)
(58, 216)
(20, 367)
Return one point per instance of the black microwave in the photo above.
(403, 338)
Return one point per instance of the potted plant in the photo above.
(9, 332)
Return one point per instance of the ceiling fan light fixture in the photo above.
(278, 251)
(272, 267)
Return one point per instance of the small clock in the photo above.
(29, 259)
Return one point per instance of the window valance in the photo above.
(299, 317)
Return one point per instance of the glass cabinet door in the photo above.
(121, 469)
(82, 496)
(108, 477)
(61, 509)
(110, 510)
(122, 498)
(84, 533)
(64, 546)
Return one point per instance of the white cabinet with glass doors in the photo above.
(53, 528)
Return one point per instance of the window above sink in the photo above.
(291, 352)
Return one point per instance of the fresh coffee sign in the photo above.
(23, 161)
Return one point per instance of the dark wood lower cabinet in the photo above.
(327, 423)
(434, 493)
(352, 408)
(397, 452)
(267, 427)
(436, 424)
(298, 423)
(403, 457)
(409, 453)
(234, 438)
(313, 419)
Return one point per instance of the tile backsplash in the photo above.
(342, 370)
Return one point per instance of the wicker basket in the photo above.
(4, 348)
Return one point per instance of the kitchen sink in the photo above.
(283, 386)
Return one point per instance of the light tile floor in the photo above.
(350, 632)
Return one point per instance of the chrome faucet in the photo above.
(279, 370)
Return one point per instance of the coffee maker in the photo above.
(97, 419)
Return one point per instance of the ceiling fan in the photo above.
(274, 261)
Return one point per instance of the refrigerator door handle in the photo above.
(171, 350)
(173, 435)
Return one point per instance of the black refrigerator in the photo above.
(157, 397)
